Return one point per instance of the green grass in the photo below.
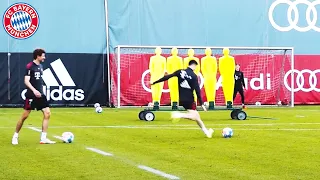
(286, 148)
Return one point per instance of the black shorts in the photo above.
(36, 103)
(188, 105)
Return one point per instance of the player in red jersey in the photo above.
(35, 97)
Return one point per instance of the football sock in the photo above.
(43, 135)
(202, 126)
(15, 135)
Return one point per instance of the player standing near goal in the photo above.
(188, 82)
(35, 98)
(239, 84)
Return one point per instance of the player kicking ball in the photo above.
(35, 98)
(188, 82)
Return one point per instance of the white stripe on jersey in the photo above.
(185, 84)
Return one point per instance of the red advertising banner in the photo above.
(267, 79)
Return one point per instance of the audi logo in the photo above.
(293, 18)
(300, 80)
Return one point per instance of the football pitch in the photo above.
(273, 143)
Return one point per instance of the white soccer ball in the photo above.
(96, 105)
(67, 137)
(150, 104)
(98, 109)
(279, 103)
(258, 103)
(206, 104)
(227, 132)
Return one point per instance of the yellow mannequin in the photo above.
(186, 64)
(209, 72)
(174, 63)
(157, 67)
(227, 67)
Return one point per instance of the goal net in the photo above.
(267, 71)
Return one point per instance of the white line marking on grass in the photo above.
(58, 137)
(39, 130)
(35, 129)
(99, 151)
(157, 172)
(269, 124)
(177, 128)
(277, 129)
(124, 127)
(166, 125)
(143, 167)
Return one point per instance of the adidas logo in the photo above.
(53, 90)
(185, 84)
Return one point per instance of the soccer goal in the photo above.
(267, 71)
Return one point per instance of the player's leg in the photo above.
(27, 110)
(19, 125)
(44, 106)
(242, 96)
(20, 122)
(235, 91)
(193, 114)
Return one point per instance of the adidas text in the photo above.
(59, 94)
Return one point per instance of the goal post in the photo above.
(268, 73)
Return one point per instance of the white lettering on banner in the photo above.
(255, 83)
(300, 80)
(58, 94)
(163, 90)
(293, 18)
(258, 83)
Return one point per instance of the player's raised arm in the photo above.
(166, 77)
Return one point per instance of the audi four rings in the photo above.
(293, 18)
(300, 80)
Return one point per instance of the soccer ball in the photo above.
(258, 103)
(227, 132)
(279, 103)
(150, 104)
(206, 104)
(99, 109)
(96, 105)
(67, 137)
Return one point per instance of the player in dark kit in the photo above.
(239, 84)
(188, 82)
(35, 98)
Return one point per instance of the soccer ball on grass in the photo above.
(67, 137)
(98, 109)
(227, 132)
